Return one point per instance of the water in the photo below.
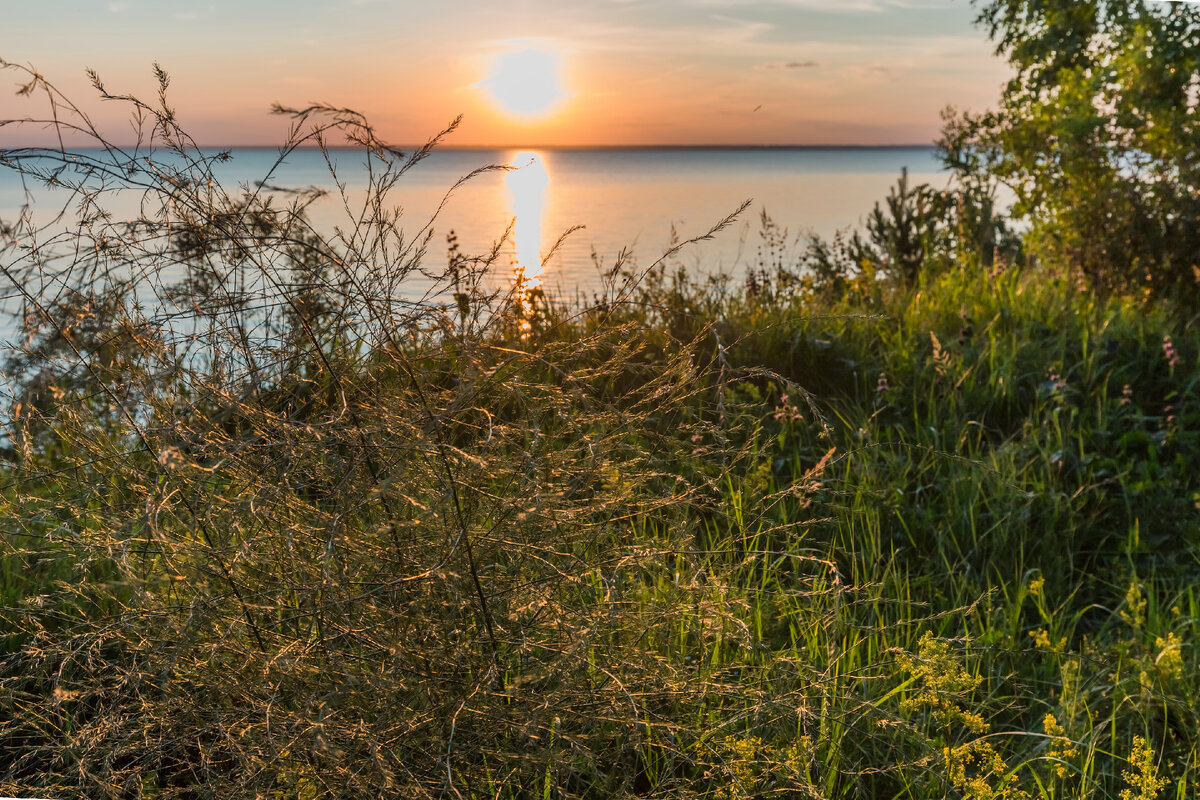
(624, 198)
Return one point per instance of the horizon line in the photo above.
(650, 147)
(560, 147)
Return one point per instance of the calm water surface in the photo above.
(623, 198)
(627, 198)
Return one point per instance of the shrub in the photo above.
(1096, 134)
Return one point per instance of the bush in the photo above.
(1096, 134)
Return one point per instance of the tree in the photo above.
(1097, 135)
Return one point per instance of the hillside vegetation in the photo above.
(910, 514)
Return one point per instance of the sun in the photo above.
(527, 84)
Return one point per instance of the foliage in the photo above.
(917, 233)
(1096, 134)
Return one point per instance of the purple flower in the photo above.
(1057, 384)
(1169, 351)
(787, 410)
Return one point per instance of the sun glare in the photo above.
(527, 83)
(527, 200)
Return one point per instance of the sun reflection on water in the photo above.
(527, 185)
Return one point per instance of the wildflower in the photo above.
(1042, 641)
(1170, 655)
(787, 411)
(747, 756)
(1062, 750)
(1134, 610)
(881, 385)
(1036, 585)
(1057, 384)
(1169, 351)
(944, 685)
(1126, 395)
(1143, 778)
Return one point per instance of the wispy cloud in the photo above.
(731, 29)
(869, 5)
(715, 33)
(788, 65)
(119, 7)
(195, 13)
(839, 6)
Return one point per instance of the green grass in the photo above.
(767, 632)
(1003, 492)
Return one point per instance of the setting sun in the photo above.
(527, 83)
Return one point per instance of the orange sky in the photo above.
(635, 72)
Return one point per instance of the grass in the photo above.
(271, 532)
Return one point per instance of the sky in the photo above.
(627, 72)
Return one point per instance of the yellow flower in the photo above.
(1144, 775)
(1170, 655)
(1134, 612)
(1062, 750)
(1041, 640)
